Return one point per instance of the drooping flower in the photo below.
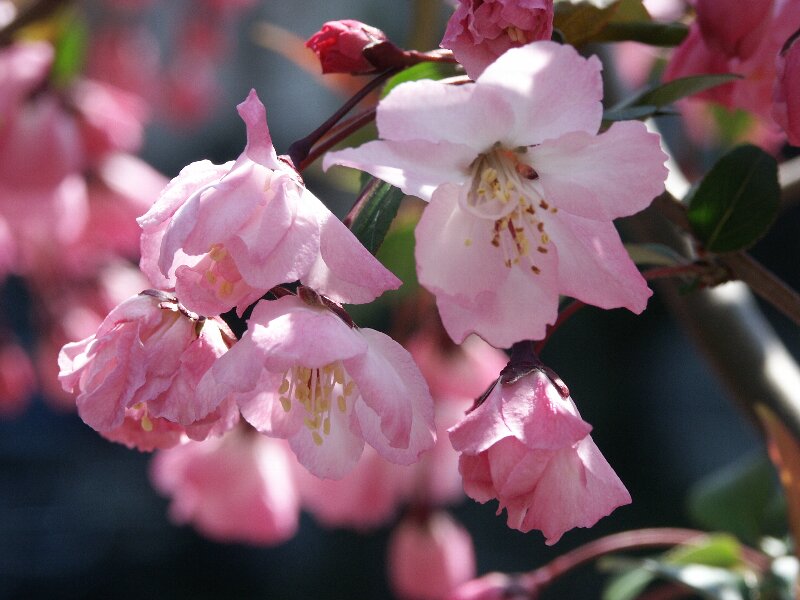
(479, 31)
(527, 446)
(136, 377)
(223, 235)
(300, 372)
(734, 28)
(522, 191)
(429, 557)
(339, 46)
(786, 99)
(237, 488)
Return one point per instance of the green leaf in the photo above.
(667, 93)
(712, 582)
(70, 51)
(628, 586)
(721, 550)
(423, 70)
(665, 35)
(376, 208)
(737, 498)
(737, 201)
(580, 22)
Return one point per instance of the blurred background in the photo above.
(79, 517)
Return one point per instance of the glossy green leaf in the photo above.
(654, 254)
(737, 498)
(376, 208)
(720, 550)
(628, 586)
(737, 201)
(713, 582)
(670, 92)
(423, 70)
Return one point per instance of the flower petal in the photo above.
(551, 88)
(435, 112)
(416, 167)
(615, 174)
(396, 415)
(482, 427)
(593, 265)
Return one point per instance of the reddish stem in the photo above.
(342, 133)
(639, 539)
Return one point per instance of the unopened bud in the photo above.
(340, 45)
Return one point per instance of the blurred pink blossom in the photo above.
(786, 94)
(223, 235)
(480, 31)
(429, 557)
(527, 446)
(17, 379)
(492, 586)
(522, 190)
(237, 488)
(339, 46)
(300, 372)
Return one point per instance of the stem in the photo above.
(299, 150)
(639, 539)
(564, 316)
(353, 125)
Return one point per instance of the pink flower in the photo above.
(223, 235)
(137, 375)
(745, 42)
(522, 191)
(339, 45)
(527, 446)
(493, 586)
(479, 31)
(786, 99)
(17, 379)
(429, 557)
(300, 372)
(237, 488)
(734, 28)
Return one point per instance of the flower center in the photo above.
(504, 190)
(316, 391)
(221, 273)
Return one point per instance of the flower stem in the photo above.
(300, 149)
(341, 133)
(639, 539)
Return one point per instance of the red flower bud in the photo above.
(340, 45)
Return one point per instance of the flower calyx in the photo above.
(314, 298)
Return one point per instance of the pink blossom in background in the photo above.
(223, 235)
(339, 46)
(237, 488)
(522, 191)
(479, 31)
(302, 373)
(493, 586)
(141, 368)
(702, 52)
(732, 27)
(527, 446)
(429, 557)
(786, 93)
(17, 379)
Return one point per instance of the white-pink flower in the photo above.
(136, 377)
(235, 488)
(479, 31)
(527, 446)
(522, 190)
(300, 372)
(223, 235)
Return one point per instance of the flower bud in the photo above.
(340, 45)
(786, 102)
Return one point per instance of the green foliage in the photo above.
(713, 568)
(70, 50)
(423, 70)
(737, 201)
(739, 498)
(651, 101)
(376, 209)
